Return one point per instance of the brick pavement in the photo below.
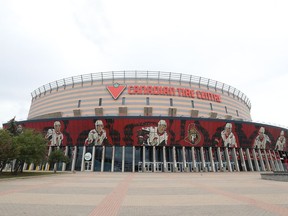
(132, 194)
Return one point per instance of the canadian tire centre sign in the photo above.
(116, 90)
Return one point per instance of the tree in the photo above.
(12, 126)
(57, 156)
(8, 150)
(32, 148)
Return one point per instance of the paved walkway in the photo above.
(132, 194)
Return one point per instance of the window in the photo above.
(172, 112)
(192, 103)
(171, 101)
(147, 111)
(123, 100)
(100, 101)
(237, 113)
(147, 101)
(211, 106)
(77, 112)
(226, 109)
(79, 103)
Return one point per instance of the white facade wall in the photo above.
(66, 98)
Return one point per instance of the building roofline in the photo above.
(148, 75)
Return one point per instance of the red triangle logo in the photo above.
(116, 90)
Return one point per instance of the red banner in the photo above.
(137, 131)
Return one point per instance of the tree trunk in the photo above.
(21, 166)
(1, 167)
(55, 167)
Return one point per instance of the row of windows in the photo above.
(171, 104)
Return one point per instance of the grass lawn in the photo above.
(5, 175)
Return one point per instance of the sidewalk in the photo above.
(132, 194)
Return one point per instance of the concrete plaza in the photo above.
(132, 194)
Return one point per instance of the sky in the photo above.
(240, 43)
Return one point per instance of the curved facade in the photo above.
(153, 122)
(166, 94)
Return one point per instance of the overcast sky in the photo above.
(241, 43)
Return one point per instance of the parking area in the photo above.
(124, 194)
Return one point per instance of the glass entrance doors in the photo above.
(88, 166)
(171, 159)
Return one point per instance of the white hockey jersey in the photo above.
(280, 144)
(55, 138)
(155, 138)
(261, 143)
(228, 141)
(95, 137)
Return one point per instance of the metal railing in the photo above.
(147, 75)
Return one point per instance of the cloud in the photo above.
(243, 44)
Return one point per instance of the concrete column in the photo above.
(113, 156)
(66, 153)
(277, 168)
(103, 158)
(14, 162)
(37, 168)
(184, 159)
(194, 160)
(266, 160)
(24, 167)
(272, 162)
(83, 158)
(262, 164)
(281, 164)
(74, 153)
(133, 158)
(281, 168)
(164, 159)
(47, 166)
(55, 166)
(212, 159)
(93, 158)
(235, 159)
(123, 159)
(243, 164)
(6, 167)
(143, 160)
(255, 160)
(249, 159)
(31, 167)
(175, 169)
(154, 158)
(204, 169)
(228, 159)
(220, 159)
(261, 160)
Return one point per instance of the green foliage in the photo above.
(6, 175)
(29, 146)
(32, 148)
(12, 126)
(57, 156)
(8, 150)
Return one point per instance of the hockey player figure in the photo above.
(281, 141)
(228, 137)
(19, 129)
(54, 135)
(154, 136)
(261, 140)
(97, 136)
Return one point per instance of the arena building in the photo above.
(149, 121)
